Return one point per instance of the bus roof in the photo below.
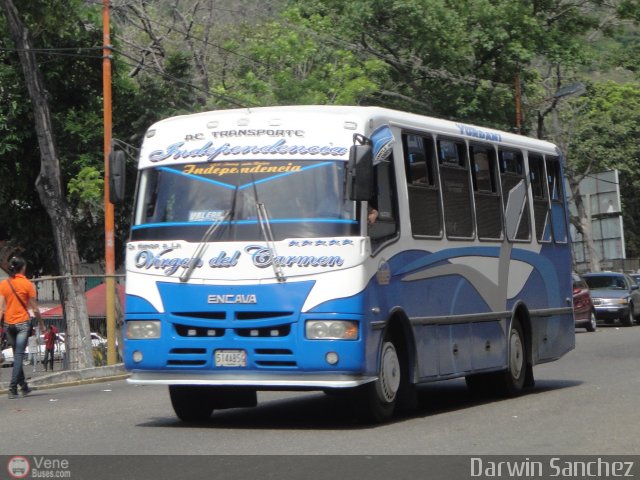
(310, 125)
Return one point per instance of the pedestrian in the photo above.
(16, 293)
(32, 348)
(50, 340)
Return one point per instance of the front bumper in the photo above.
(611, 312)
(272, 381)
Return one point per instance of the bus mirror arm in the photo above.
(360, 173)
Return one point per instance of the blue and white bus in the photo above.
(343, 249)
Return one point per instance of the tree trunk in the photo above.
(585, 227)
(50, 191)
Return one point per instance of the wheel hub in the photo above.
(516, 356)
(389, 372)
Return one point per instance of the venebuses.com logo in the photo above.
(38, 467)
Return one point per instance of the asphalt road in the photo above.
(585, 403)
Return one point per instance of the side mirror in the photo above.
(117, 170)
(360, 173)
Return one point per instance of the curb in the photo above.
(75, 377)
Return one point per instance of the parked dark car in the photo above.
(614, 296)
(583, 311)
(635, 277)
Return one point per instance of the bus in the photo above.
(353, 250)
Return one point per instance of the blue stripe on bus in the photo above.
(245, 222)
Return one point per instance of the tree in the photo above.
(605, 136)
(155, 36)
(51, 193)
(277, 64)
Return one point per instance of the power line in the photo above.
(60, 52)
(49, 49)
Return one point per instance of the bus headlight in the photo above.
(138, 329)
(331, 330)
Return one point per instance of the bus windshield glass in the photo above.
(302, 199)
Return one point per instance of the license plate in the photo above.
(231, 358)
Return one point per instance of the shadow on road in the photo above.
(317, 411)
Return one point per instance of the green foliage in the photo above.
(287, 63)
(87, 187)
(606, 137)
(608, 128)
(439, 57)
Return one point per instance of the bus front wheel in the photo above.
(191, 403)
(376, 401)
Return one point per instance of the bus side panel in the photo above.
(547, 287)
(489, 348)
(427, 348)
(454, 345)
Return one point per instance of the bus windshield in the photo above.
(302, 199)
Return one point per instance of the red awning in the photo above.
(96, 302)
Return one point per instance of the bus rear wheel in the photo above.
(191, 403)
(511, 381)
(376, 401)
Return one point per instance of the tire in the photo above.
(591, 326)
(510, 382)
(627, 319)
(190, 403)
(376, 401)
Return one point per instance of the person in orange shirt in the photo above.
(17, 294)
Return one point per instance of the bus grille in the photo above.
(263, 357)
(189, 331)
(275, 331)
(188, 360)
(274, 357)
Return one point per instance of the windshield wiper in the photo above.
(267, 233)
(204, 241)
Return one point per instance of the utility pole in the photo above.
(109, 238)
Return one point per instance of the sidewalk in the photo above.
(40, 379)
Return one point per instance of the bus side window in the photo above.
(486, 192)
(555, 186)
(385, 201)
(514, 191)
(422, 185)
(541, 215)
(456, 193)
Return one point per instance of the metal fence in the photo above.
(47, 287)
(49, 298)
